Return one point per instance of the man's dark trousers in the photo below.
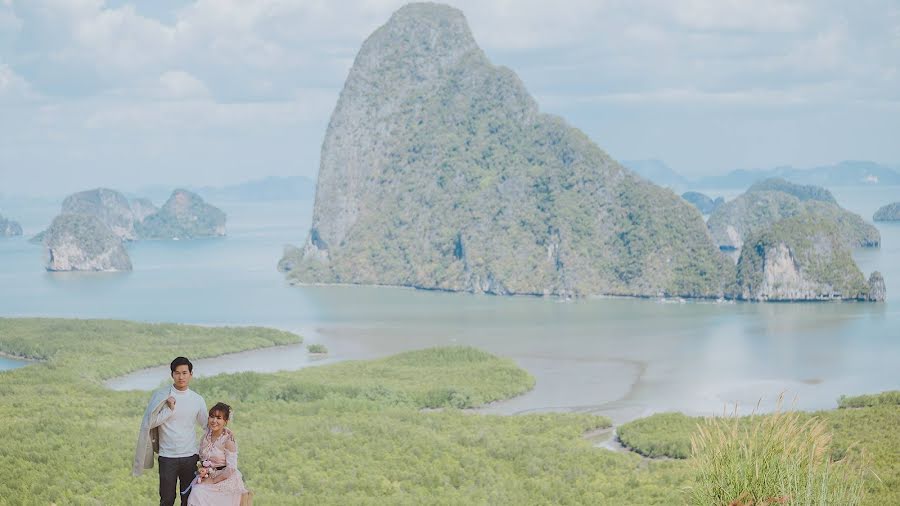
(172, 470)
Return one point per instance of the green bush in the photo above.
(891, 398)
(661, 435)
(775, 459)
(316, 348)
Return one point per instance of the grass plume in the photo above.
(782, 458)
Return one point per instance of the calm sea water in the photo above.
(620, 357)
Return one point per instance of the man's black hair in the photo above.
(182, 361)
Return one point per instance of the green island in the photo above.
(317, 348)
(386, 431)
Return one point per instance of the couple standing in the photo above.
(205, 474)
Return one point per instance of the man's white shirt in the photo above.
(177, 437)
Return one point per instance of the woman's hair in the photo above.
(223, 408)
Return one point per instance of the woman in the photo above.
(219, 484)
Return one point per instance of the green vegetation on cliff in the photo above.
(439, 172)
(771, 200)
(802, 192)
(108, 206)
(184, 216)
(890, 212)
(799, 258)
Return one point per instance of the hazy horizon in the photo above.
(213, 93)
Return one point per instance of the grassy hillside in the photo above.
(868, 428)
(349, 433)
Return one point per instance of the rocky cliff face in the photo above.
(109, 206)
(890, 212)
(877, 289)
(772, 200)
(9, 228)
(439, 172)
(81, 242)
(141, 208)
(184, 216)
(803, 257)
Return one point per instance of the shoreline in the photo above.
(670, 299)
(225, 365)
(623, 388)
(10, 356)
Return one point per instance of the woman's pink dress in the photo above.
(221, 451)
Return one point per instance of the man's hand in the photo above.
(171, 402)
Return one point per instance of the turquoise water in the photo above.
(622, 357)
(8, 363)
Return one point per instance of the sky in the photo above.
(211, 92)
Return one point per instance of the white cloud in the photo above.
(525, 24)
(201, 113)
(216, 69)
(13, 87)
(100, 35)
(764, 16)
(178, 84)
(9, 22)
(122, 38)
(694, 97)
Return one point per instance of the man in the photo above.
(168, 429)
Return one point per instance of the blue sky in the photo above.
(125, 94)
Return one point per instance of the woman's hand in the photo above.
(204, 472)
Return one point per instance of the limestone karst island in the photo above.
(93, 226)
(439, 172)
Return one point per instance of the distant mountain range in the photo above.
(658, 172)
(846, 173)
(272, 188)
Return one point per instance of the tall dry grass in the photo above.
(780, 458)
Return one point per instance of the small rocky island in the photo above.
(773, 199)
(804, 257)
(890, 212)
(82, 242)
(109, 206)
(9, 228)
(184, 216)
(701, 201)
(84, 236)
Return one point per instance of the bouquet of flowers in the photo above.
(201, 465)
